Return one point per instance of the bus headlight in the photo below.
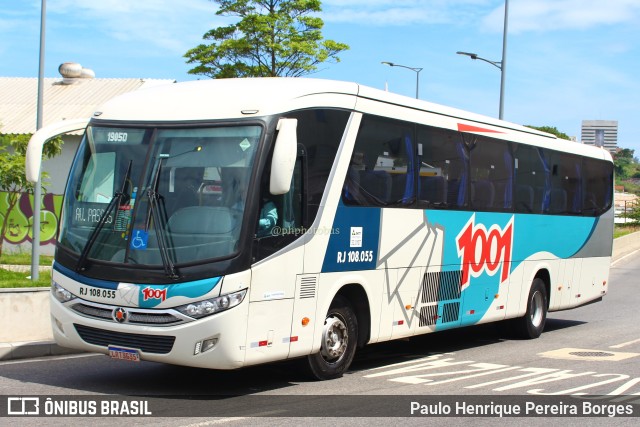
(211, 306)
(61, 293)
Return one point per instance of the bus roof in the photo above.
(226, 99)
(242, 98)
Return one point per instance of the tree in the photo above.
(634, 214)
(272, 38)
(552, 130)
(623, 163)
(12, 171)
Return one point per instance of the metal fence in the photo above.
(624, 210)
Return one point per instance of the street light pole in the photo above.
(501, 65)
(37, 190)
(496, 64)
(417, 71)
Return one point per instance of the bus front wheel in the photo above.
(532, 323)
(339, 340)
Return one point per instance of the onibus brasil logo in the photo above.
(484, 251)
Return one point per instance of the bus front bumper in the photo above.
(184, 344)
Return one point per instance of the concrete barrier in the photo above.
(24, 315)
(624, 245)
(25, 323)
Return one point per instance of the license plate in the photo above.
(120, 353)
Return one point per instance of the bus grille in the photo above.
(133, 316)
(441, 286)
(91, 311)
(450, 312)
(428, 315)
(158, 344)
(308, 287)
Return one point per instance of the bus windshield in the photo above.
(158, 196)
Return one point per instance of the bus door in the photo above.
(278, 252)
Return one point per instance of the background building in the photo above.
(601, 133)
(65, 97)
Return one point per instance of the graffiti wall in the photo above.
(21, 218)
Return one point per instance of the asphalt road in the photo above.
(587, 358)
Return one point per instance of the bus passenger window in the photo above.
(380, 171)
(491, 175)
(443, 168)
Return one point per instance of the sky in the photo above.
(566, 60)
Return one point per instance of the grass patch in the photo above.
(622, 230)
(12, 279)
(23, 259)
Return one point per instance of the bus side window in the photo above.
(491, 175)
(442, 169)
(281, 217)
(380, 171)
(596, 185)
(319, 133)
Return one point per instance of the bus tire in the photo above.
(339, 341)
(532, 323)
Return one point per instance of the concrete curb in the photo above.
(625, 245)
(622, 247)
(32, 349)
(24, 268)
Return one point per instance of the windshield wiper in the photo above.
(159, 213)
(118, 198)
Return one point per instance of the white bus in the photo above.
(227, 223)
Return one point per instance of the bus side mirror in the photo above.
(33, 158)
(284, 157)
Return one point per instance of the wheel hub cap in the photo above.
(334, 339)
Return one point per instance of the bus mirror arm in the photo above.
(33, 156)
(284, 156)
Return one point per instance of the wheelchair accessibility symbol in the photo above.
(139, 240)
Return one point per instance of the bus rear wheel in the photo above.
(339, 340)
(532, 323)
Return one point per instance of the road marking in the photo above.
(624, 344)
(624, 257)
(49, 358)
(487, 368)
(213, 422)
(587, 354)
(427, 363)
(436, 370)
(231, 419)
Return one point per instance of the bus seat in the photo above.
(590, 202)
(524, 198)
(433, 189)
(539, 199)
(557, 201)
(351, 188)
(456, 193)
(504, 196)
(483, 194)
(399, 187)
(233, 185)
(376, 185)
(188, 182)
(200, 232)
